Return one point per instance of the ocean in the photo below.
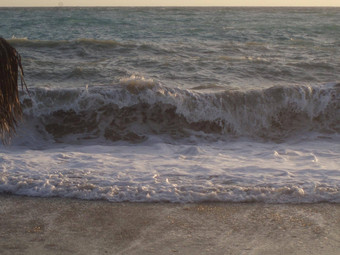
(176, 104)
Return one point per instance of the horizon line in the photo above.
(180, 6)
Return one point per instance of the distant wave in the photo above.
(25, 42)
(138, 107)
(98, 61)
(88, 43)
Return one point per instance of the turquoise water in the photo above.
(176, 104)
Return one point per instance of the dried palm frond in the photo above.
(10, 108)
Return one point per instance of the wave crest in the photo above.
(138, 107)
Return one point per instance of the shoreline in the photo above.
(33, 225)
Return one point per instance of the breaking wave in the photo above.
(136, 108)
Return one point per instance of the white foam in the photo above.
(234, 171)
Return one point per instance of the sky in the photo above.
(7, 3)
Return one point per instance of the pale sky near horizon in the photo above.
(15, 3)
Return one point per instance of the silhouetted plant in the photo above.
(10, 107)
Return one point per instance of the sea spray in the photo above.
(138, 107)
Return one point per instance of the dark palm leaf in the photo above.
(10, 108)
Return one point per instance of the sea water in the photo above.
(176, 104)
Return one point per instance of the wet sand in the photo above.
(68, 226)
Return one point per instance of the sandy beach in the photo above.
(67, 226)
